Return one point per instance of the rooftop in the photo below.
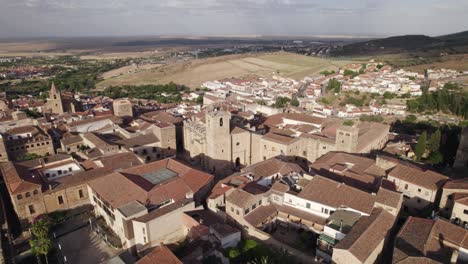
(159, 176)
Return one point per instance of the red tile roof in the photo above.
(424, 178)
(160, 255)
(134, 186)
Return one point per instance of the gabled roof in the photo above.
(335, 194)
(427, 238)
(271, 167)
(160, 254)
(280, 139)
(424, 178)
(139, 141)
(367, 234)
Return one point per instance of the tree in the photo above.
(30, 156)
(281, 102)
(348, 123)
(434, 141)
(200, 99)
(233, 253)
(389, 95)
(40, 246)
(420, 146)
(248, 244)
(435, 158)
(411, 118)
(295, 102)
(41, 243)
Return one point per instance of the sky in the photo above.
(60, 18)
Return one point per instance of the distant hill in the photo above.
(453, 43)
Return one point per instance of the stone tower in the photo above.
(218, 140)
(347, 139)
(54, 104)
(122, 108)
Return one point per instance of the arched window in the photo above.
(220, 122)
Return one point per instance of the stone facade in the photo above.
(54, 104)
(38, 195)
(122, 108)
(17, 143)
(221, 147)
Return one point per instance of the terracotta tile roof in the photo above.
(260, 215)
(161, 116)
(368, 132)
(120, 161)
(434, 239)
(72, 139)
(335, 194)
(427, 179)
(23, 129)
(160, 254)
(457, 184)
(216, 192)
(19, 178)
(279, 187)
(280, 139)
(352, 169)
(240, 198)
(388, 198)
(135, 186)
(139, 141)
(367, 234)
(271, 167)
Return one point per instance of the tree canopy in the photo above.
(420, 147)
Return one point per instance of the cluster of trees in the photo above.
(354, 101)
(333, 85)
(281, 102)
(77, 75)
(326, 73)
(85, 75)
(450, 136)
(249, 251)
(431, 146)
(153, 92)
(30, 156)
(350, 73)
(449, 99)
(348, 123)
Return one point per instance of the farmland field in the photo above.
(195, 72)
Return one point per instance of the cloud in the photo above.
(126, 17)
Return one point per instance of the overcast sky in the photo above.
(33, 18)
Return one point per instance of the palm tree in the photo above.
(41, 243)
(261, 260)
(40, 246)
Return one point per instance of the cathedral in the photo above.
(57, 103)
